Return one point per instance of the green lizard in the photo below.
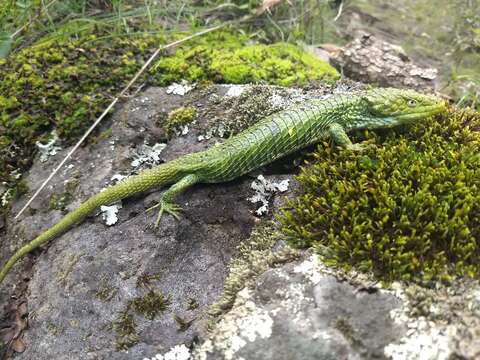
(273, 137)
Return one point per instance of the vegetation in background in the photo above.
(225, 57)
(66, 84)
(308, 21)
(449, 37)
(62, 85)
(407, 209)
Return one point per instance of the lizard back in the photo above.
(271, 138)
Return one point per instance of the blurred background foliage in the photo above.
(444, 33)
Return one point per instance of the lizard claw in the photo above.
(170, 208)
(359, 147)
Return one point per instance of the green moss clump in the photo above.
(151, 304)
(226, 57)
(280, 64)
(60, 201)
(178, 118)
(406, 209)
(60, 84)
(126, 330)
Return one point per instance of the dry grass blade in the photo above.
(267, 5)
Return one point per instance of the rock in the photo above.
(304, 310)
(98, 291)
(207, 283)
(299, 312)
(371, 60)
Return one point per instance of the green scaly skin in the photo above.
(273, 137)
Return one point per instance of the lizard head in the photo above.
(389, 107)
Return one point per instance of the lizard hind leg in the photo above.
(167, 204)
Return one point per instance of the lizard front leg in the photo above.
(167, 203)
(340, 137)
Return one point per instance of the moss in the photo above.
(63, 85)
(406, 209)
(178, 118)
(226, 57)
(126, 331)
(151, 304)
(183, 324)
(280, 64)
(192, 304)
(60, 201)
(145, 280)
(21, 187)
(106, 291)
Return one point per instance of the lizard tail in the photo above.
(161, 175)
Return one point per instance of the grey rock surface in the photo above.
(300, 312)
(372, 60)
(305, 310)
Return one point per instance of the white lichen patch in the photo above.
(431, 344)
(117, 177)
(235, 90)
(147, 154)
(277, 101)
(243, 325)
(178, 352)
(311, 268)
(6, 197)
(109, 213)
(180, 89)
(431, 337)
(48, 149)
(264, 190)
(293, 299)
(283, 99)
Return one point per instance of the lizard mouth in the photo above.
(422, 112)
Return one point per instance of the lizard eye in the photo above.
(412, 103)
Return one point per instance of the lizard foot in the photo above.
(359, 147)
(168, 207)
